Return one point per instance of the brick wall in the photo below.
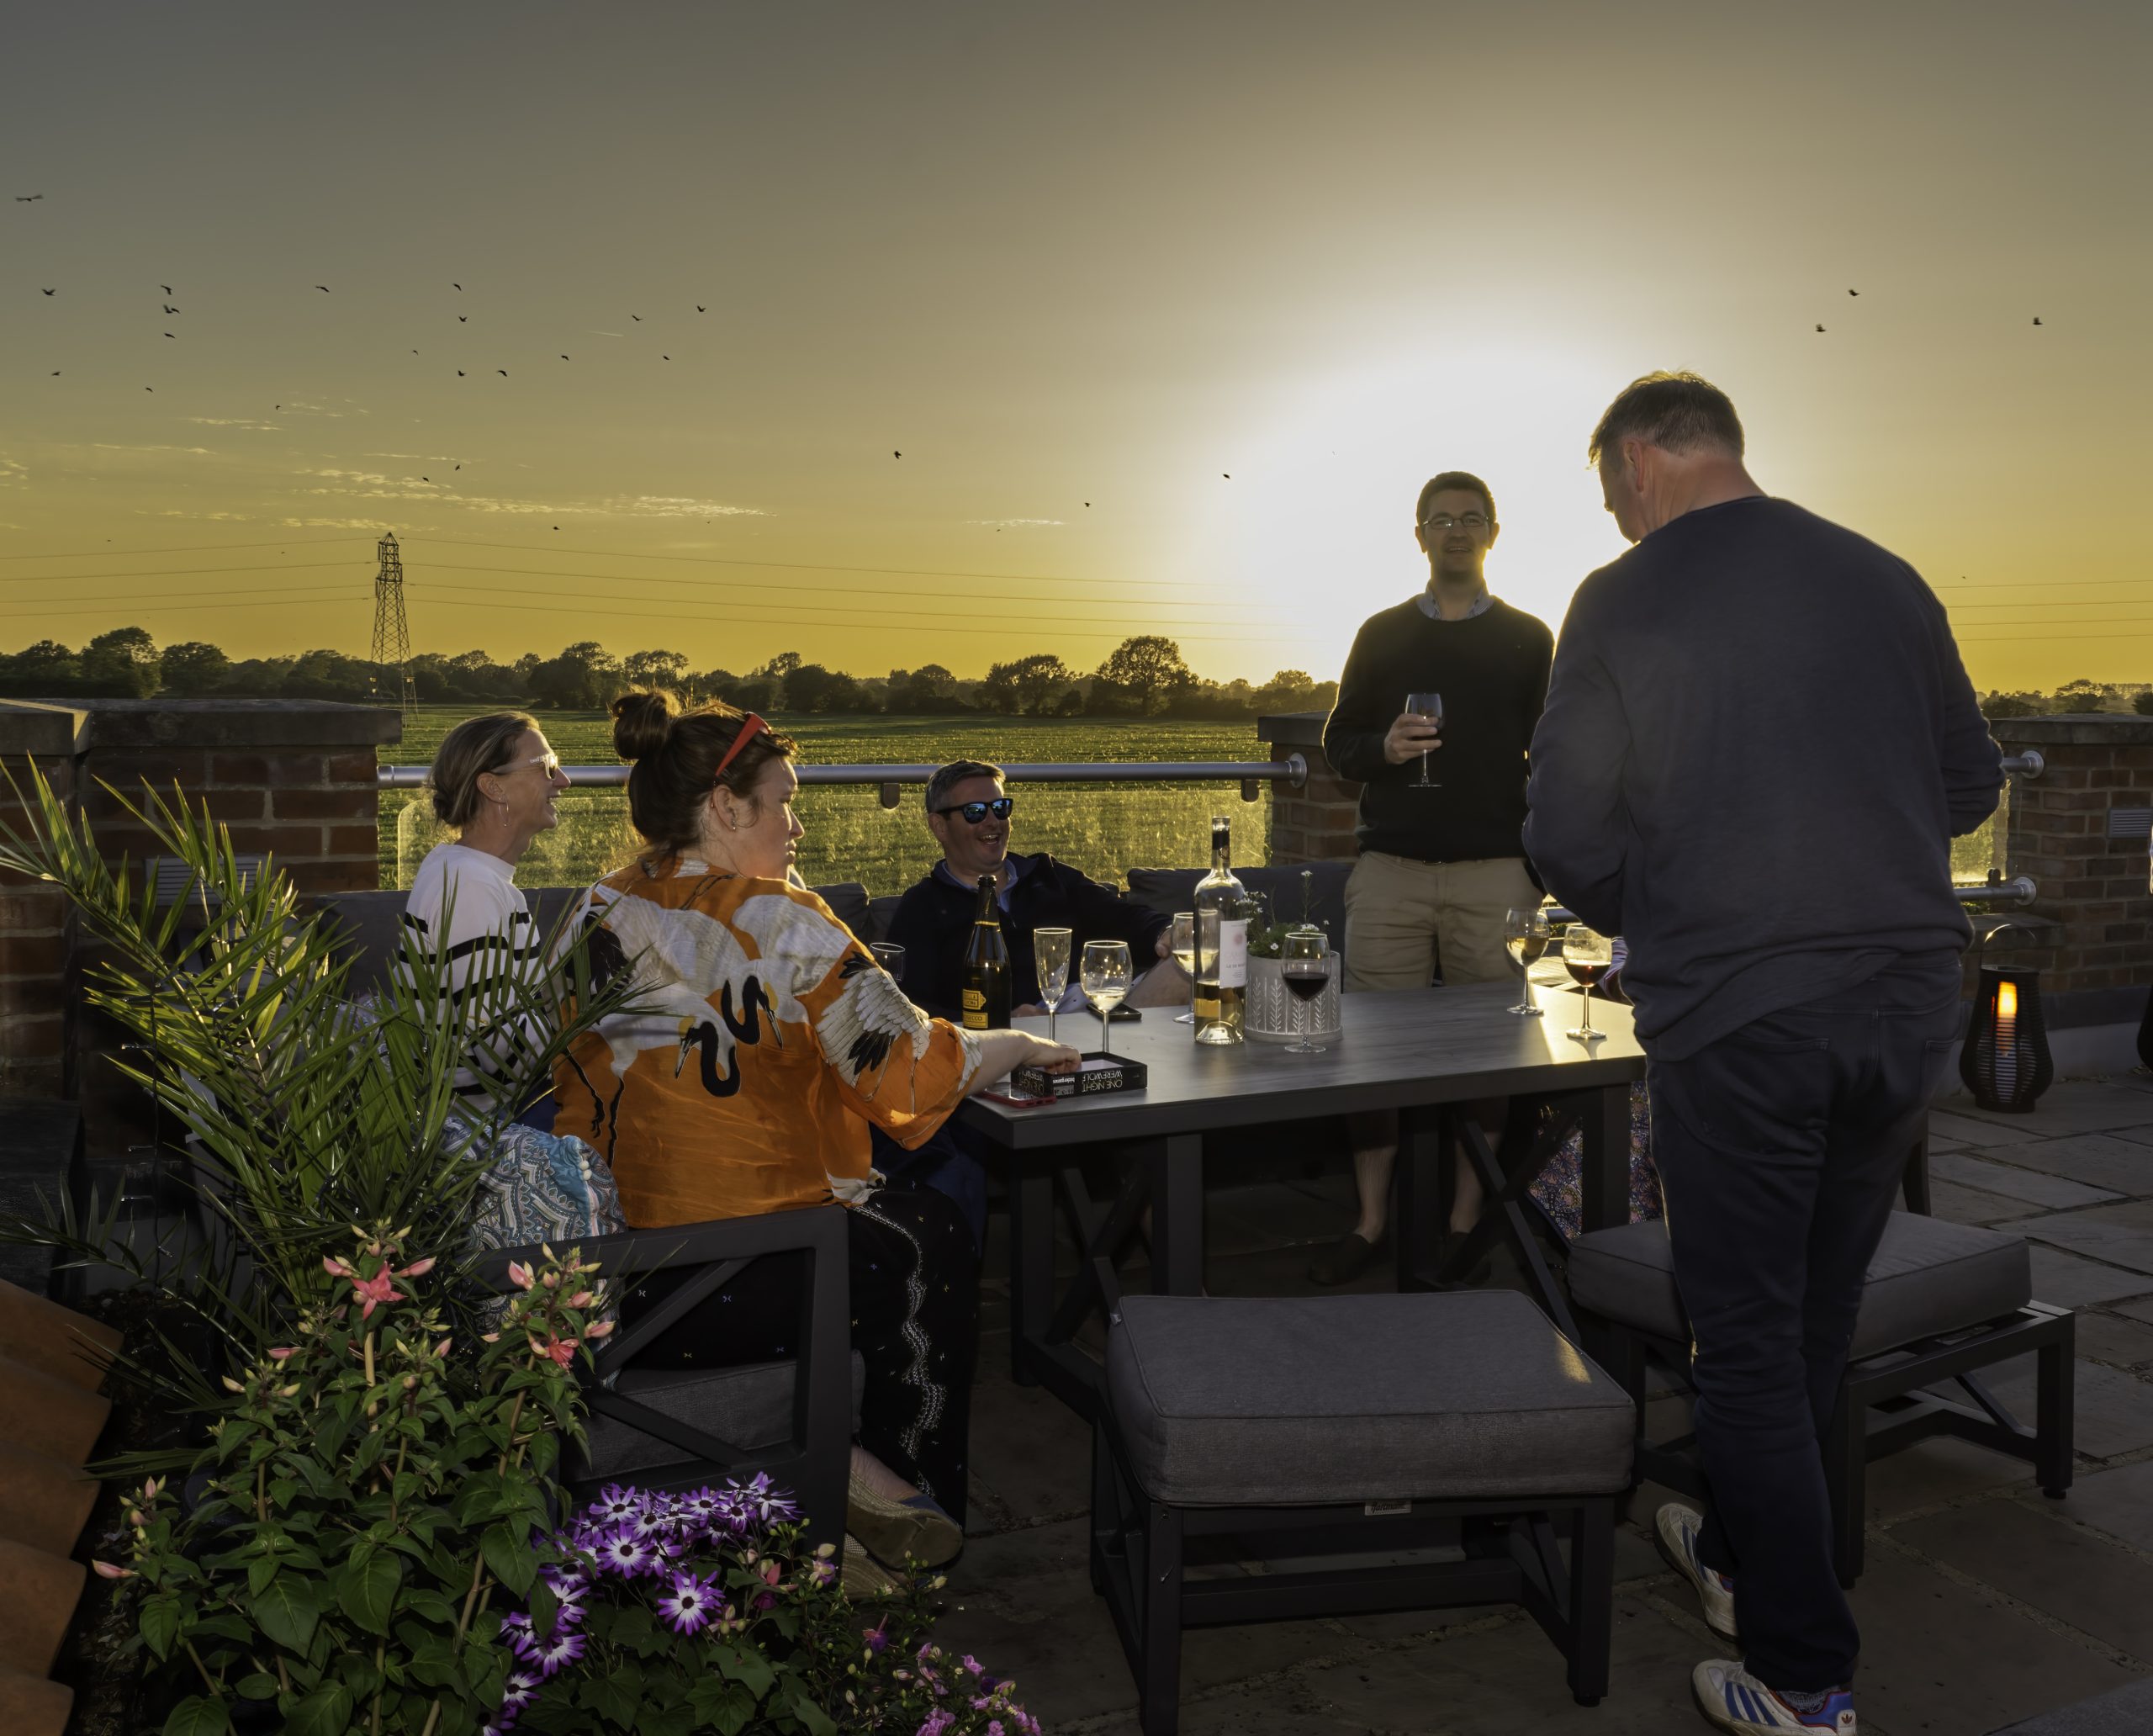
(1314, 823)
(292, 779)
(2093, 944)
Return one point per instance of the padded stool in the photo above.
(1234, 1430)
(1941, 1301)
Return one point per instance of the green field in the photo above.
(1104, 830)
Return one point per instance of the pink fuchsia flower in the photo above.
(557, 1349)
(338, 1269)
(690, 1604)
(281, 1353)
(582, 1299)
(106, 1570)
(599, 1329)
(520, 1275)
(877, 1637)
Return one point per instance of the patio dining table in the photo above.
(1429, 1053)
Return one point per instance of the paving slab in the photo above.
(2096, 1586)
(1945, 1126)
(2072, 1106)
(2141, 1310)
(1031, 1454)
(2119, 1502)
(2120, 1235)
(1956, 1204)
(1940, 1469)
(2109, 1338)
(2100, 1160)
(2114, 1410)
(2057, 1192)
(1938, 1655)
(2070, 1282)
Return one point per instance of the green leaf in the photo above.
(261, 1573)
(366, 1588)
(326, 1711)
(673, 1721)
(260, 1686)
(816, 1720)
(750, 1669)
(287, 1610)
(428, 1605)
(160, 1622)
(512, 1563)
(607, 1698)
(196, 1716)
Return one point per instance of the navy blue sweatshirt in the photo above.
(1758, 743)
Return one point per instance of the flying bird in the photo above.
(55, 373)
(1820, 328)
(564, 358)
(1228, 475)
(170, 309)
(456, 287)
(1853, 292)
(149, 388)
(415, 352)
(459, 374)
(48, 292)
(1088, 503)
(463, 319)
(28, 199)
(168, 334)
(425, 479)
(700, 309)
(502, 372)
(2037, 318)
(459, 467)
(323, 287)
(166, 287)
(665, 358)
(638, 318)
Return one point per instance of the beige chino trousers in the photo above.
(1401, 914)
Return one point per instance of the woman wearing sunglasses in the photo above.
(766, 1046)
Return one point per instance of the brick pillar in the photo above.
(1314, 823)
(293, 780)
(36, 928)
(2078, 830)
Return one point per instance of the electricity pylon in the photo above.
(392, 632)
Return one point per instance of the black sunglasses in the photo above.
(975, 811)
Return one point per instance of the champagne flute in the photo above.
(1051, 954)
(1106, 981)
(1307, 973)
(1181, 943)
(1428, 707)
(1526, 938)
(1586, 955)
(890, 957)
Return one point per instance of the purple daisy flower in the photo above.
(625, 1555)
(516, 1632)
(616, 1503)
(691, 1605)
(702, 1505)
(569, 1589)
(761, 1499)
(553, 1655)
(521, 1685)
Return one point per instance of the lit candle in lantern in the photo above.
(2007, 1035)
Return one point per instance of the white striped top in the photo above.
(490, 936)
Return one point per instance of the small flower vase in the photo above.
(1272, 1012)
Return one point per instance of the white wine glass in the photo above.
(1181, 943)
(1527, 937)
(1302, 962)
(1106, 979)
(1050, 956)
(1586, 955)
(1429, 708)
(890, 957)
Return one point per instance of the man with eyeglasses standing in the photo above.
(1439, 866)
(969, 814)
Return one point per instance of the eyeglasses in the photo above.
(549, 762)
(1444, 521)
(974, 811)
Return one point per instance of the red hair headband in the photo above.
(748, 731)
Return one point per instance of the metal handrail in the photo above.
(1293, 770)
(2020, 890)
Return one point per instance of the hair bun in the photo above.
(642, 723)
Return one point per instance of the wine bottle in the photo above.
(986, 982)
(1223, 907)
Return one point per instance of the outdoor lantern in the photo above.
(2005, 1061)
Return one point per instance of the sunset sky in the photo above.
(1170, 308)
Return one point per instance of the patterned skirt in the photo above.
(1558, 1188)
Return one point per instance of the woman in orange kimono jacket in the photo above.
(762, 1042)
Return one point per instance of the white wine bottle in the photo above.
(1222, 914)
(986, 984)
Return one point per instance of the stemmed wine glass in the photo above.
(1181, 943)
(1526, 936)
(1587, 955)
(1106, 981)
(1429, 708)
(1050, 954)
(1307, 973)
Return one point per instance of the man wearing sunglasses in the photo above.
(969, 815)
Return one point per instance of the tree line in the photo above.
(1144, 676)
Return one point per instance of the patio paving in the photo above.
(1983, 1603)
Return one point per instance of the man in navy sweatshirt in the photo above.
(1758, 745)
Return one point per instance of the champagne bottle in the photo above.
(985, 985)
(1223, 907)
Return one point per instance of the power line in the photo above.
(161, 573)
(199, 548)
(803, 566)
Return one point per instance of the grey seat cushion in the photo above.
(1928, 1277)
(1230, 1401)
(748, 1406)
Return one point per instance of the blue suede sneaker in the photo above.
(1677, 1527)
(1735, 1700)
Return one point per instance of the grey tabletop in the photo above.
(1399, 1050)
